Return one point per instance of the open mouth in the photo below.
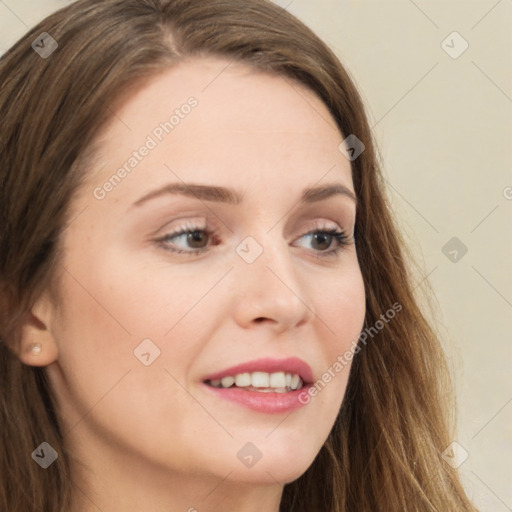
(263, 382)
(265, 385)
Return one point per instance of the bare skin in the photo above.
(153, 437)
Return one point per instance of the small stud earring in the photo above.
(35, 348)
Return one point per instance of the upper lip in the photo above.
(289, 365)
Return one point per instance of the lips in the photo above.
(291, 365)
(258, 385)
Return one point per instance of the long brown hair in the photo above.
(385, 450)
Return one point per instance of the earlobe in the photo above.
(37, 346)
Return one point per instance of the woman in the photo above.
(205, 303)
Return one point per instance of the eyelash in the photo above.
(339, 236)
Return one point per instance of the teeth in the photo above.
(277, 382)
(260, 380)
(226, 382)
(296, 382)
(243, 379)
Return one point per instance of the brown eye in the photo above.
(196, 239)
(188, 240)
(323, 239)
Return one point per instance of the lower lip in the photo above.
(269, 403)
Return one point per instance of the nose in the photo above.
(270, 290)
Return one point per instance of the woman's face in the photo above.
(149, 320)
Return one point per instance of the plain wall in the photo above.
(443, 126)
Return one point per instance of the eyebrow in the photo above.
(230, 196)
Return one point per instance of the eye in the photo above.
(195, 238)
(325, 238)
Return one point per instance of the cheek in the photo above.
(341, 310)
(107, 331)
(342, 307)
(119, 315)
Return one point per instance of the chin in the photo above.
(279, 473)
(280, 466)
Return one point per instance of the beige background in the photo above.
(443, 126)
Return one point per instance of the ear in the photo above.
(37, 346)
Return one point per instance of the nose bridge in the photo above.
(270, 286)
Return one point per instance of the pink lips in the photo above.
(262, 401)
(289, 365)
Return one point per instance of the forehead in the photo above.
(214, 121)
(231, 96)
